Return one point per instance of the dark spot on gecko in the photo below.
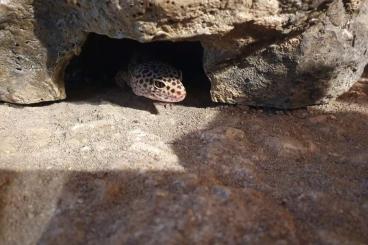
(172, 90)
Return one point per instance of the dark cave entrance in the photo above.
(93, 71)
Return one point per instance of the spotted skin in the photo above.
(155, 80)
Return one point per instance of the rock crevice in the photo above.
(277, 53)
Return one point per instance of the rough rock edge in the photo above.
(42, 55)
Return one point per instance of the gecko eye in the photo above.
(159, 84)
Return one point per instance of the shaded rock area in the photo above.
(272, 53)
(107, 169)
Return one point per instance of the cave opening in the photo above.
(93, 71)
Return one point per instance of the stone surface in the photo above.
(304, 67)
(269, 53)
(107, 169)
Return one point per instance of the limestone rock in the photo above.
(268, 53)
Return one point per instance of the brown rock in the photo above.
(265, 53)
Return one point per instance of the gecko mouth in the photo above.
(169, 98)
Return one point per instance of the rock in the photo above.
(264, 53)
(81, 173)
(297, 70)
(200, 214)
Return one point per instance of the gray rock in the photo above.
(270, 53)
(302, 68)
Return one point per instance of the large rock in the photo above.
(269, 53)
(98, 173)
(309, 66)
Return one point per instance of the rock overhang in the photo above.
(265, 53)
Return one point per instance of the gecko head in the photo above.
(158, 81)
(168, 90)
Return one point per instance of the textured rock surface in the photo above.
(106, 171)
(304, 67)
(272, 53)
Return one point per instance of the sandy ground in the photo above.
(76, 170)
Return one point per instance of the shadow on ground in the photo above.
(249, 177)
